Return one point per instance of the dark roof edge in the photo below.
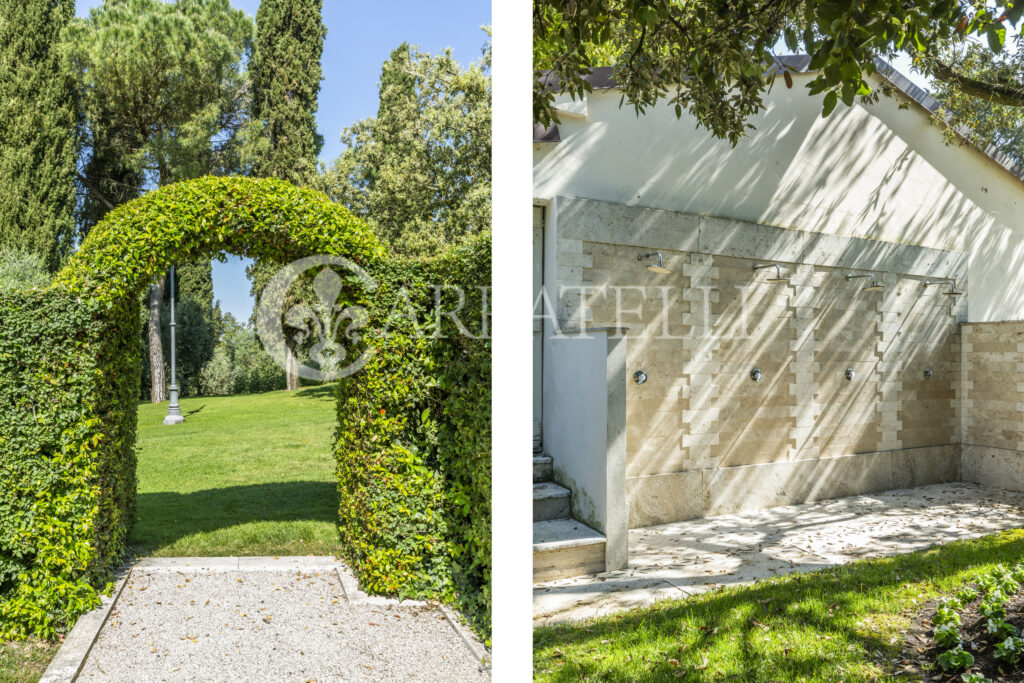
(603, 78)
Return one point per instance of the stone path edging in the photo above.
(76, 648)
(72, 655)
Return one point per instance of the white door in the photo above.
(538, 326)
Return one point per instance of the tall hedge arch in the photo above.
(266, 218)
(70, 360)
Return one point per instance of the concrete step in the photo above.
(563, 548)
(541, 468)
(550, 501)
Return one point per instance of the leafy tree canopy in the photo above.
(161, 83)
(710, 58)
(979, 121)
(420, 172)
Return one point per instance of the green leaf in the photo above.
(996, 37)
(831, 100)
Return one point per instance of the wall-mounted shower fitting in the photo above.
(756, 375)
(873, 287)
(778, 271)
(849, 374)
(659, 268)
(639, 376)
(928, 374)
(952, 286)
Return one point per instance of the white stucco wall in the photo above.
(872, 171)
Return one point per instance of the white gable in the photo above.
(870, 171)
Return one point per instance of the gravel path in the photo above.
(293, 625)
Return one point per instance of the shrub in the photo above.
(217, 377)
(947, 635)
(68, 376)
(413, 441)
(945, 614)
(253, 371)
(955, 659)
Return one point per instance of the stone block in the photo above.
(664, 498)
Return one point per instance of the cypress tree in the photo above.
(38, 144)
(285, 74)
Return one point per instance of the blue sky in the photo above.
(360, 36)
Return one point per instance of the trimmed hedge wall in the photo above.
(414, 425)
(414, 436)
(67, 471)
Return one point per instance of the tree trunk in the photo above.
(291, 370)
(158, 386)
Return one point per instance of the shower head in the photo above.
(952, 287)
(659, 268)
(778, 271)
(873, 287)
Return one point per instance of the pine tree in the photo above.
(38, 145)
(285, 74)
(163, 95)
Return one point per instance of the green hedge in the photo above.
(414, 425)
(413, 441)
(67, 471)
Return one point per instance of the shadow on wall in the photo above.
(871, 171)
(166, 517)
(699, 330)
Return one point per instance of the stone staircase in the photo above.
(562, 546)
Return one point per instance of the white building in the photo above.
(878, 240)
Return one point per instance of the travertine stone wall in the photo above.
(992, 358)
(704, 439)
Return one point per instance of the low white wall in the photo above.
(585, 431)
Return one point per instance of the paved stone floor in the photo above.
(254, 625)
(687, 558)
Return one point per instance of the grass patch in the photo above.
(843, 623)
(244, 475)
(26, 661)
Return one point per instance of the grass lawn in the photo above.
(244, 475)
(839, 624)
(25, 661)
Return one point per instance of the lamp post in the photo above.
(174, 415)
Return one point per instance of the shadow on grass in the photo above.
(166, 517)
(319, 391)
(835, 624)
